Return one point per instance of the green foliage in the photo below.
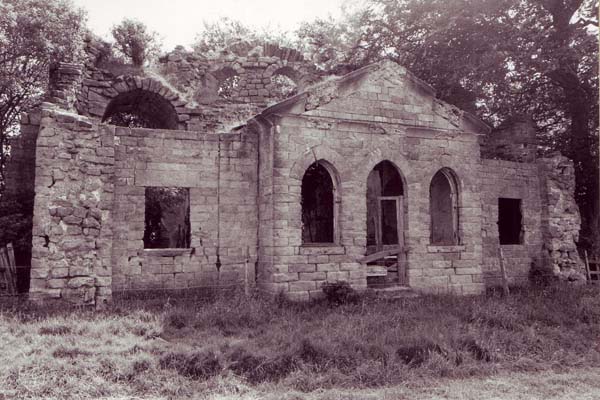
(134, 41)
(495, 58)
(224, 32)
(34, 34)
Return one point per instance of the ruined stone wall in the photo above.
(379, 120)
(560, 218)
(72, 235)
(512, 180)
(220, 171)
(198, 75)
(515, 140)
(190, 82)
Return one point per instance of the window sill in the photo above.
(309, 249)
(446, 248)
(167, 252)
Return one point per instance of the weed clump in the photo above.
(199, 365)
(257, 368)
(416, 355)
(339, 292)
(177, 320)
(74, 352)
(55, 330)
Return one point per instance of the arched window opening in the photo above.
(284, 83)
(384, 207)
(141, 109)
(229, 82)
(443, 204)
(318, 205)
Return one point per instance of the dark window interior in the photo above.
(141, 109)
(167, 218)
(389, 221)
(317, 205)
(383, 181)
(510, 221)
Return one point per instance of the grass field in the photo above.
(533, 344)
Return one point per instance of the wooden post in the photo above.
(246, 283)
(587, 267)
(505, 289)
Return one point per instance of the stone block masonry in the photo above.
(220, 171)
(243, 173)
(72, 222)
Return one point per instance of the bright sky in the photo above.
(178, 21)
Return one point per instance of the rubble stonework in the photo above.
(560, 218)
(243, 163)
(72, 222)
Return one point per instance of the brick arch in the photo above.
(300, 72)
(399, 162)
(312, 154)
(135, 87)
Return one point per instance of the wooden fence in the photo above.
(592, 269)
(8, 270)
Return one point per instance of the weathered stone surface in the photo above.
(245, 184)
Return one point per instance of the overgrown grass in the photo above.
(229, 343)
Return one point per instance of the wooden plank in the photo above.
(376, 270)
(505, 289)
(587, 267)
(380, 255)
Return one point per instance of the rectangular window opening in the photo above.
(167, 218)
(510, 221)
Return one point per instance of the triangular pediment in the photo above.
(384, 92)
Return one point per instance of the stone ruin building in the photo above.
(251, 167)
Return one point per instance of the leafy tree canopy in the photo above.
(224, 32)
(496, 58)
(135, 41)
(34, 34)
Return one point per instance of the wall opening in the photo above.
(318, 205)
(141, 109)
(510, 221)
(443, 208)
(229, 82)
(384, 207)
(284, 82)
(167, 218)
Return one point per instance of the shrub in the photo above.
(196, 365)
(415, 355)
(257, 369)
(177, 320)
(339, 292)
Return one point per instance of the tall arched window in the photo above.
(318, 202)
(443, 206)
(384, 207)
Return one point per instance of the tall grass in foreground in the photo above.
(228, 342)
